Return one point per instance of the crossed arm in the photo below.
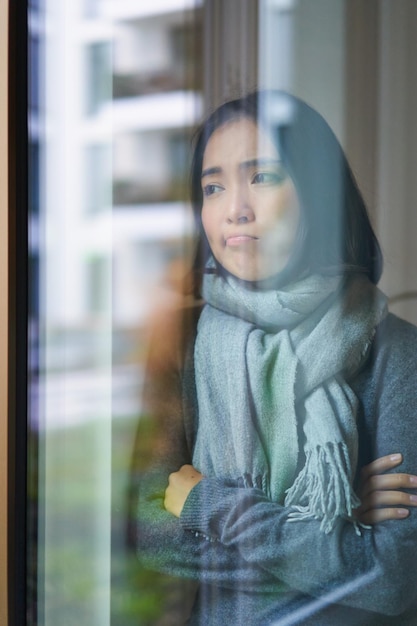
(380, 494)
(234, 519)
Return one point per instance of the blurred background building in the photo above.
(113, 105)
(114, 97)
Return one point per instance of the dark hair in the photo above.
(334, 233)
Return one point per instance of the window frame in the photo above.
(17, 234)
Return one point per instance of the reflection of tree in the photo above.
(167, 599)
(164, 332)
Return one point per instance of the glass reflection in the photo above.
(115, 93)
(113, 99)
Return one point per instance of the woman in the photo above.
(287, 383)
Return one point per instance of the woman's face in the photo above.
(250, 208)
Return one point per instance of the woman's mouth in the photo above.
(239, 240)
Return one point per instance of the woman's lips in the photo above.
(239, 240)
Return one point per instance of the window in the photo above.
(115, 92)
(98, 82)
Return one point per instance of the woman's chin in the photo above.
(261, 277)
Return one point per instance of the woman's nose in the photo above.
(239, 208)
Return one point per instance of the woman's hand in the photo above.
(382, 496)
(179, 486)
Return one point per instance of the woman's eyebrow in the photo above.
(260, 162)
(256, 162)
(210, 171)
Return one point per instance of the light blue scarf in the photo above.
(272, 376)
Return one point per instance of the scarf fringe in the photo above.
(322, 490)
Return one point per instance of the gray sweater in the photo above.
(254, 566)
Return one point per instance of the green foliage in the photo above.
(63, 564)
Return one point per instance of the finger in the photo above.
(166, 499)
(380, 465)
(188, 471)
(388, 482)
(378, 499)
(171, 502)
(185, 470)
(375, 516)
(189, 475)
(172, 478)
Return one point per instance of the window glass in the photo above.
(117, 89)
(113, 102)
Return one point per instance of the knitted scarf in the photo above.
(275, 409)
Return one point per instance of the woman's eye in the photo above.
(268, 178)
(211, 189)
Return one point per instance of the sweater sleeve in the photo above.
(375, 571)
(165, 546)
